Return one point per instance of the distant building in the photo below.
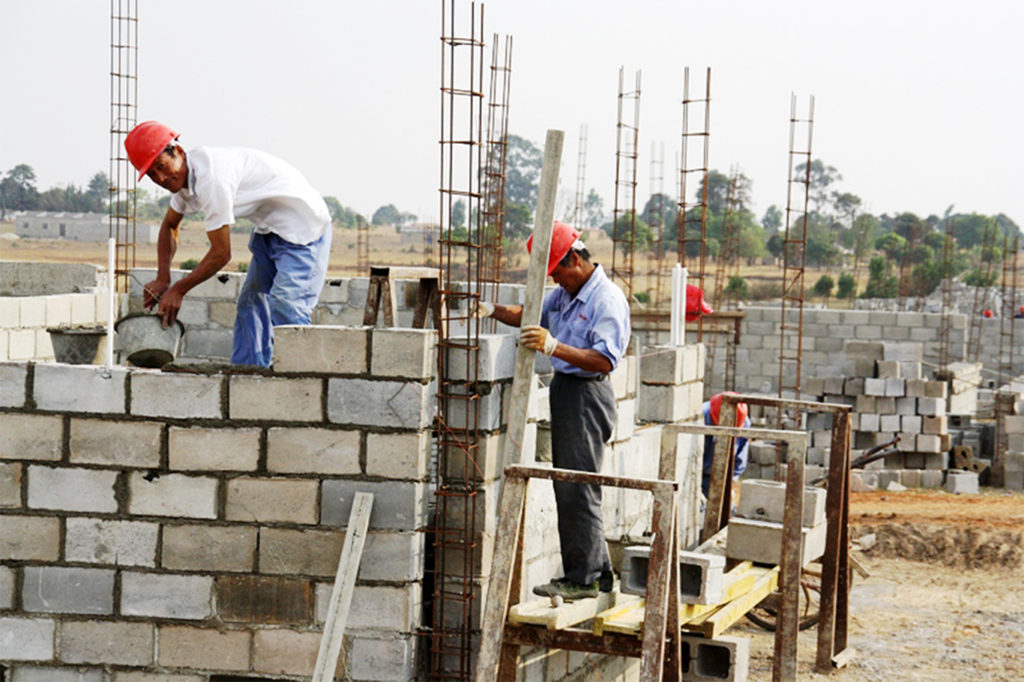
(79, 227)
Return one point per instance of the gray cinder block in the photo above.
(761, 541)
(962, 482)
(723, 658)
(766, 501)
(700, 575)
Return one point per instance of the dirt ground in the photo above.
(944, 600)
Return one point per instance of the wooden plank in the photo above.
(716, 511)
(535, 277)
(506, 541)
(836, 501)
(787, 624)
(344, 586)
(715, 623)
(652, 659)
(541, 612)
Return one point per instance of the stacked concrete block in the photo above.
(722, 658)
(755, 531)
(24, 321)
(964, 380)
(671, 383)
(701, 575)
(201, 515)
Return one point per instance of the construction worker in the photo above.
(1020, 313)
(712, 410)
(290, 244)
(584, 328)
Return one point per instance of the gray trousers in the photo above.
(582, 419)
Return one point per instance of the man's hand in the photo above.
(483, 309)
(152, 292)
(538, 339)
(170, 304)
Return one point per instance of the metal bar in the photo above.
(784, 662)
(652, 485)
(716, 512)
(834, 562)
(652, 659)
(611, 644)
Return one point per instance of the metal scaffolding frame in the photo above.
(627, 137)
(580, 206)
(693, 229)
(124, 95)
(456, 538)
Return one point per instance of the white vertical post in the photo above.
(111, 294)
(677, 313)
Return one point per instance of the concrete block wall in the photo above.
(189, 525)
(25, 319)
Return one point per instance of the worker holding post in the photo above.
(585, 329)
(712, 410)
(290, 245)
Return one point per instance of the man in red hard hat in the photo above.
(290, 244)
(584, 328)
(1020, 313)
(712, 410)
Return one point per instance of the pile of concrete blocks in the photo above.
(965, 398)
(890, 398)
(25, 319)
(672, 386)
(755, 530)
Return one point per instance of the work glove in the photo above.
(483, 309)
(538, 339)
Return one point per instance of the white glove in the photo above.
(538, 339)
(483, 309)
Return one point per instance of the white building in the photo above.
(79, 227)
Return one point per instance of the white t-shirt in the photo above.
(234, 182)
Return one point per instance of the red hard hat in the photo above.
(562, 238)
(695, 303)
(987, 313)
(716, 408)
(145, 142)
(1021, 309)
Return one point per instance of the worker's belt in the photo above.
(580, 377)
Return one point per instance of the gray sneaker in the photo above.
(566, 589)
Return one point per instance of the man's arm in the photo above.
(587, 359)
(166, 246)
(512, 315)
(218, 255)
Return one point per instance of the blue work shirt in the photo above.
(597, 318)
(742, 446)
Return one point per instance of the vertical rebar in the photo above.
(723, 268)
(691, 230)
(124, 94)
(362, 247)
(945, 326)
(985, 266)
(627, 137)
(1008, 289)
(580, 207)
(456, 540)
(493, 225)
(656, 221)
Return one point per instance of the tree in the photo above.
(386, 215)
(99, 189)
(772, 219)
(821, 178)
(847, 286)
(846, 205)
(522, 174)
(718, 191)
(881, 282)
(343, 216)
(518, 222)
(775, 244)
(892, 244)
(642, 235)
(593, 209)
(18, 190)
(737, 287)
(660, 209)
(458, 214)
(824, 286)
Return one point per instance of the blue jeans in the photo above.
(281, 287)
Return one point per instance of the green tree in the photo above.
(847, 286)
(772, 219)
(99, 190)
(386, 215)
(892, 244)
(824, 286)
(18, 190)
(642, 235)
(342, 216)
(593, 209)
(737, 287)
(458, 214)
(881, 282)
(522, 174)
(518, 221)
(821, 178)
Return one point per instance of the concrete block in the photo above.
(182, 597)
(212, 344)
(32, 311)
(289, 500)
(222, 313)
(194, 312)
(483, 465)
(663, 365)
(869, 422)
(932, 407)
(885, 405)
(21, 344)
(398, 455)
(285, 652)
(910, 370)
(212, 449)
(383, 658)
(895, 387)
(335, 291)
(853, 386)
(320, 349)
(195, 648)
(105, 642)
(264, 599)
(483, 413)
(700, 575)
(962, 482)
(277, 398)
(936, 425)
(396, 505)
(397, 557)
(29, 538)
(301, 552)
(887, 369)
(664, 403)
(12, 384)
(124, 444)
(79, 388)
(915, 388)
(928, 442)
(173, 495)
(388, 608)
(306, 450)
(723, 658)
(931, 478)
(27, 639)
(7, 582)
(619, 379)
(209, 548)
(72, 489)
(889, 422)
(936, 389)
(412, 353)
(176, 396)
(59, 589)
(10, 485)
(495, 359)
(865, 403)
(766, 501)
(120, 543)
(911, 423)
(874, 387)
(761, 541)
(224, 285)
(396, 404)
(906, 406)
(911, 478)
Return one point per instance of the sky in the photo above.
(917, 105)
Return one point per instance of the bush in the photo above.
(242, 267)
(824, 286)
(763, 292)
(190, 264)
(847, 286)
(642, 296)
(737, 287)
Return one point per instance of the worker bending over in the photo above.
(584, 327)
(712, 410)
(290, 244)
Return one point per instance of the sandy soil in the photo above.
(944, 600)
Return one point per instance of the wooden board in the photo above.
(541, 612)
(713, 624)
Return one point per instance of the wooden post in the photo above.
(344, 586)
(784, 663)
(535, 277)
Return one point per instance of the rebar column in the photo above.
(724, 267)
(580, 205)
(985, 266)
(656, 221)
(627, 137)
(493, 225)
(945, 325)
(692, 226)
(124, 95)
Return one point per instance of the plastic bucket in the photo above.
(76, 345)
(145, 342)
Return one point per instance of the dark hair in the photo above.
(584, 254)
